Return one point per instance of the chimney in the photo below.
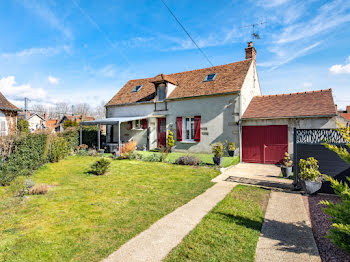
(347, 109)
(336, 108)
(45, 116)
(250, 51)
(28, 114)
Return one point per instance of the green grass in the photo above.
(85, 217)
(205, 158)
(229, 232)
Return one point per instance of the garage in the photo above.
(264, 144)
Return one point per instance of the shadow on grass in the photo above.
(290, 237)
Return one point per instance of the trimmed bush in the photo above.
(187, 160)
(59, 148)
(100, 167)
(71, 135)
(153, 158)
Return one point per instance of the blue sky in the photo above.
(84, 51)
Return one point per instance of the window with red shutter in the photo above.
(179, 128)
(197, 128)
(144, 123)
(130, 125)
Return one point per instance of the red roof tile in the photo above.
(7, 105)
(229, 79)
(314, 103)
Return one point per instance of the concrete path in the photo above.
(286, 234)
(157, 241)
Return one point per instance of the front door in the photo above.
(161, 132)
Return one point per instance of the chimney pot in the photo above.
(347, 109)
(250, 51)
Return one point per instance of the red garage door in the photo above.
(264, 144)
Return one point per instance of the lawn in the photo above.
(205, 158)
(85, 217)
(229, 232)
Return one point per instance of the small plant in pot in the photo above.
(311, 177)
(287, 165)
(171, 141)
(231, 147)
(218, 150)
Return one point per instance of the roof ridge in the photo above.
(298, 93)
(193, 70)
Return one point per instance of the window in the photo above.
(188, 129)
(3, 131)
(137, 124)
(136, 89)
(209, 77)
(161, 92)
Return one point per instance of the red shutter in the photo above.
(144, 123)
(197, 128)
(179, 128)
(130, 125)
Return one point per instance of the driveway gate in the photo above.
(309, 143)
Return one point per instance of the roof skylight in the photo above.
(209, 77)
(136, 88)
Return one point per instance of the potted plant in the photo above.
(171, 141)
(231, 147)
(218, 150)
(311, 177)
(287, 165)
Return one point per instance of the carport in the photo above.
(107, 121)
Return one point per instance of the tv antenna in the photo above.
(255, 35)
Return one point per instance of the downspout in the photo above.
(240, 127)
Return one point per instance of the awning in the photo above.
(112, 120)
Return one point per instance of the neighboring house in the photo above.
(77, 118)
(201, 107)
(345, 113)
(51, 123)
(8, 116)
(269, 121)
(36, 121)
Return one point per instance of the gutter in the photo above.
(287, 117)
(10, 109)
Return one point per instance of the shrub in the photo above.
(41, 189)
(153, 158)
(100, 167)
(22, 126)
(187, 160)
(71, 136)
(92, 152)
(135, 156)
(218, 149)
(171, 141)
(70, 123)
(59, 148)
(82, 147)
(287, 161)
(309, 169)
(82, 152)
(90, 136)
(127, 149)
(231, 146)
(339, 234)
(21, 186)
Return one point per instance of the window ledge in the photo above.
(189, 142)
(137, 129)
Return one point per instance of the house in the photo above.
(269, 121)
(36, 121)
(201, 106)
(345, 113)
(51, 123)
(8, 116)
(77, 118)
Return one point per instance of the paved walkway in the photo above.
(286, 234)
(165, 234)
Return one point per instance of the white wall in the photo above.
(250, 87)
(34, 123)
(292, 123)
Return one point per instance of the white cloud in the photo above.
(307, 84)
(340, 69)
(108, 71)
(9, 87)
(53, 80)
(271, 3)
(45, 51)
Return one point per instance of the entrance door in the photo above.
(161, 132)
(264, 144)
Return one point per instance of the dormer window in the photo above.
(209, 77)
(161, 92)
(136, 88)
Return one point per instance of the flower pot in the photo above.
(284, 172)
(289, 171)
(311, 187)
(218, 160)
(101, 151)
(231, 153)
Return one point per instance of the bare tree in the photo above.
(61, 109)
(100, 111)
(82, 108)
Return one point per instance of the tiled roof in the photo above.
(7, 105)
(346, 115)
(229, 79)
(314, 103)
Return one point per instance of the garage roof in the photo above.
(305, 104)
